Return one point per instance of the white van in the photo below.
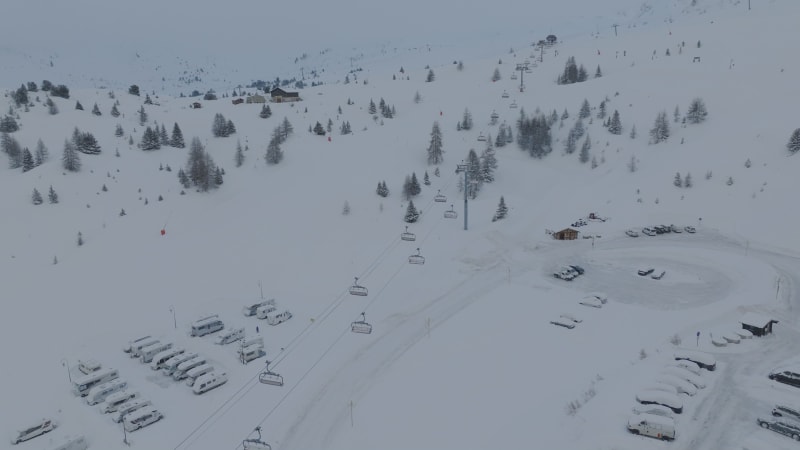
(162, 357)
(137, 347)
(276, 318)
(129, 407)
(116, 399)
(37, 429)
(230, 336)
(197, 372)
(180, 372)
(82, 385)
(207, 325)
(99, 393)
(209, 381)
(133, 342)
(262, 311)
(88, 366)
(72, 443)
(659, 427)
(141, 418)
(255, 340)
(146, 354)
(251, 310)
(172, 364)
(251, 352)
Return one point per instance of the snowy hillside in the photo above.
(463, 352)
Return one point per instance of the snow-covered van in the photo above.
(36, 429)
(683, 386)
(72, 443)
(180, 372)
(99, 393)
(274, 318)
(209, 381)
(658, 427)
(141, 418)
(161, 358)
(251, 352)
(263, 311)
(194, 374)
(82, 385)
(137, 347)
(87, 366)
(230, 336)
(133, 342)
(703, 360)
(684, 374)
(151, 351)
(207, 325)
(128, 407)
(255, 340)
(172, 364)
(116, 399)
(250, 310)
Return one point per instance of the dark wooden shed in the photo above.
(757, 324)
(567, 234)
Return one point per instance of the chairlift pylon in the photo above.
(361, 326)
(451, 213)
(270, 377)
(439, 197)
(408, 236)
(356, 289)
(256, 443)
(416, 259)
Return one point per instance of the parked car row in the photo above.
(787, 376)
(569, 273)
(661, 229)
(566, 320)
(660, 401)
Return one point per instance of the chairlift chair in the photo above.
(451, 213)
(439, 197)
(256, 443)
(270, 377)
(355, 289)
(514, 76)
(513, 105)
(505, 94)
(407, 236)
(481, 137)
(416, 259)
(361, 326)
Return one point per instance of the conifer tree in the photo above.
(41, 153)
(633, 132)
(52, 196)
(794, 142)
(96, 110)
(584, 155)
(677, 182)
(265, 112)
(274, 152)
(496, 74)
(660, 130)
(238, 157)
(177, 137)
(466, 122)
(598, 73)
(697, 111)
(27, 160)
(412, 215)
(426, 180)
(163, 137)
(70, 158)
(416, 189)
(615, 126)
(78, 106)
(502, 210)
(435, 149)
(36, 198)
(372, 109)
(114, 111)
(431, 76)
(585, 110)
(142, 116)
(150, 140)
(118, 131)
(687, 180)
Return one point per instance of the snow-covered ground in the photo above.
(463, 354)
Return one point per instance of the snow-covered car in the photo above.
(36, 429)
(632, 233)
(657, 410)
(594, 302)
(689, 229)
(603, 298)
(659, 275)
(791, 430)
(646, 272)
(648, 231)
(790, 377)
(704, 360)
(651, 397)
(566, 273)
(683, 386)
(675, 229)
(570, 318)
(563, 323)
(787, 413)
(691, 366)
(685, 374)
(577, 269)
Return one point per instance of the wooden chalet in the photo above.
(196, 105)
(237, 101)
(255, 98)
(757, 324)
(278, 95)
(567, 234)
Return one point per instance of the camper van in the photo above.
(230, 336)
(99, 393)
(250, 310)
(251, 352)
(72, 443)
(37, 429)
(197, 372)
(253, 341)
(172, 364)
(161, 358)
(658, 427)
(263, 311)
(82, 385)
(141, 418)
(206, 326)
(136, 348)
(133, 342)
(150, 351)
(118, 398)
(180, 372)
(276, 318)
(209, 381)
(88, 366)
(129, 407)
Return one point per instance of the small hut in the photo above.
(757, 324)
(567, 234)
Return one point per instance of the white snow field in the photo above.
(462, 353)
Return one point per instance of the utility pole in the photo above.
(615, 28)
(464, 168)
(522, 67)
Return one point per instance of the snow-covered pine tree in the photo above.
(36, 197)
(163, 137)
(118, 131)
(570, 145)
(615, 126)
(70, 159)
(78, 106)
(372, 109)
(660, 130)
(435, 149)
(52, 196)
(219, 127)
(598, 73)
(677, 182)
(266, 112)
(114, 111)
(238, 157)
(230, 128)
(177, 137)
(96, 110)
(412, 215)
(585, 110)
(466, 121)
(601, 110)
(474, 171)
(697, 111)
(687, 180)
(633, 133)
(584, 155)
(150, 140)
(274, 153)
(41, 154)
(416, 189)
(502, 210)
(426, 180)
(318, 130)
(417, 97)
(27, 160)
(676, 114)
(794, 142)
(496, 75)
(142, 116)
(431, 76)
